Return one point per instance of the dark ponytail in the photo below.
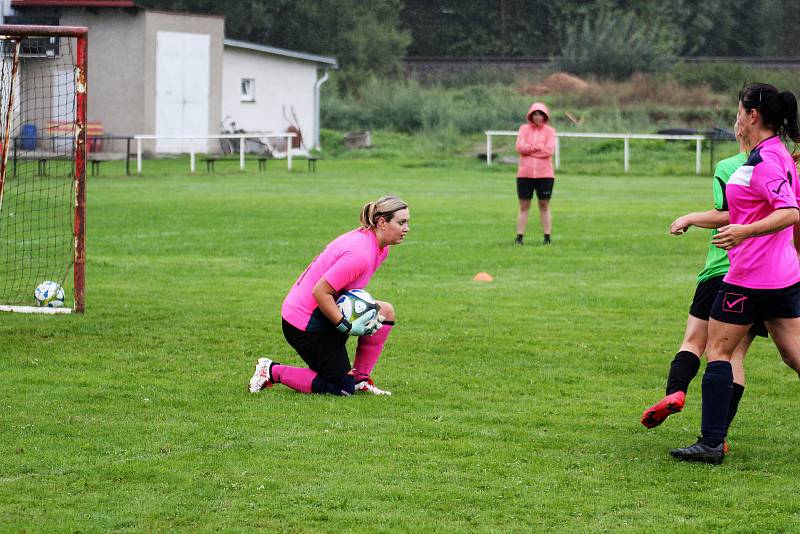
(778, 110)
(790, 128)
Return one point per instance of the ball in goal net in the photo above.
(42, 164)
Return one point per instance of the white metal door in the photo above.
(182, 89)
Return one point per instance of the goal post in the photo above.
(42, 164)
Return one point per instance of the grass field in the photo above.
(515, 405)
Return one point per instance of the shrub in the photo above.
(615, 44)
(407, 107)
(721, 77)
(729, 77)
(457, 78)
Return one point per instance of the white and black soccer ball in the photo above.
(49, 295)
(355, 303)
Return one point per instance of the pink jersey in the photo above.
(765, 182)
(348, 262)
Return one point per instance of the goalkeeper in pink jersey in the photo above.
(763, 282)
(312, 322)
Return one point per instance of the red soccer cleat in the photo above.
(367, 385)
(657, 413)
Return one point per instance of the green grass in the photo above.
(515, 405)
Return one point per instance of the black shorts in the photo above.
(703, 301)
(741, 305)
(323, 351)
(542, 186)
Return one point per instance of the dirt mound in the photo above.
(559, 82)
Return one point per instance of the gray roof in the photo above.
(282, 52)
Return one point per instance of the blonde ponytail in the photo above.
(384, 208)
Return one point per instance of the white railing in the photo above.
(625, 137)
(241, 137)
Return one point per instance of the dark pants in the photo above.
(326, 353)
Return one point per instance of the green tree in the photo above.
(366, 42)
(476, 28)
(614, 44)
(781, 19)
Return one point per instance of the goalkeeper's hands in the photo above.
(363, 326)
(377, 323)
(374, 325)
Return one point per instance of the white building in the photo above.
(174, 74)
(265, 88)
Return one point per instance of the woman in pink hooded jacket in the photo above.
(536, 142)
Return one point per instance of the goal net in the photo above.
(42, 164)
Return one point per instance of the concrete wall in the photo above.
(279, 82)
(116, 64)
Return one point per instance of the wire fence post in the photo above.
(699, 152)
(625, 153)
(558, 153)
(138, 156)
(289, 151)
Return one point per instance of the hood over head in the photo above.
(538, 106)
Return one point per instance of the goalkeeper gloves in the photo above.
(363, 326)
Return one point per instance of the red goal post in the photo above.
(43, 95)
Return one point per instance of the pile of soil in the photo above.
(559, 82)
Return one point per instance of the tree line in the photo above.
(603, 37)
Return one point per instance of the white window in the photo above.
(248, 90)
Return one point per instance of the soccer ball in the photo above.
(356, 303)
(49, 295)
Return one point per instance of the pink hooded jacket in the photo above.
(535, 145)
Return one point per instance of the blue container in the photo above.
(27, 138)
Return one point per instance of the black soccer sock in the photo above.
(271, 376)
(682, 370)
(546, 239)
(519, 237)
(738, 391)
(717, 393)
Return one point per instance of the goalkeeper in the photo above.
(312, 322)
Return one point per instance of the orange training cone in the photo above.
(483, 277)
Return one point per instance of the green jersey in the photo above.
(717, 262)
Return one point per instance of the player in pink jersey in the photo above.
(763, 283)
(536, 142)
(312, 322)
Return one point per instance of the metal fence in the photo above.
(626, 138)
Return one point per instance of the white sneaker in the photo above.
(261, 378)
(369, 386)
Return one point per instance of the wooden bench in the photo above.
(211, 160)
(64, 131)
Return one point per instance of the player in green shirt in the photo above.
(687, 361)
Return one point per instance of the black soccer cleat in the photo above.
(700, 452)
